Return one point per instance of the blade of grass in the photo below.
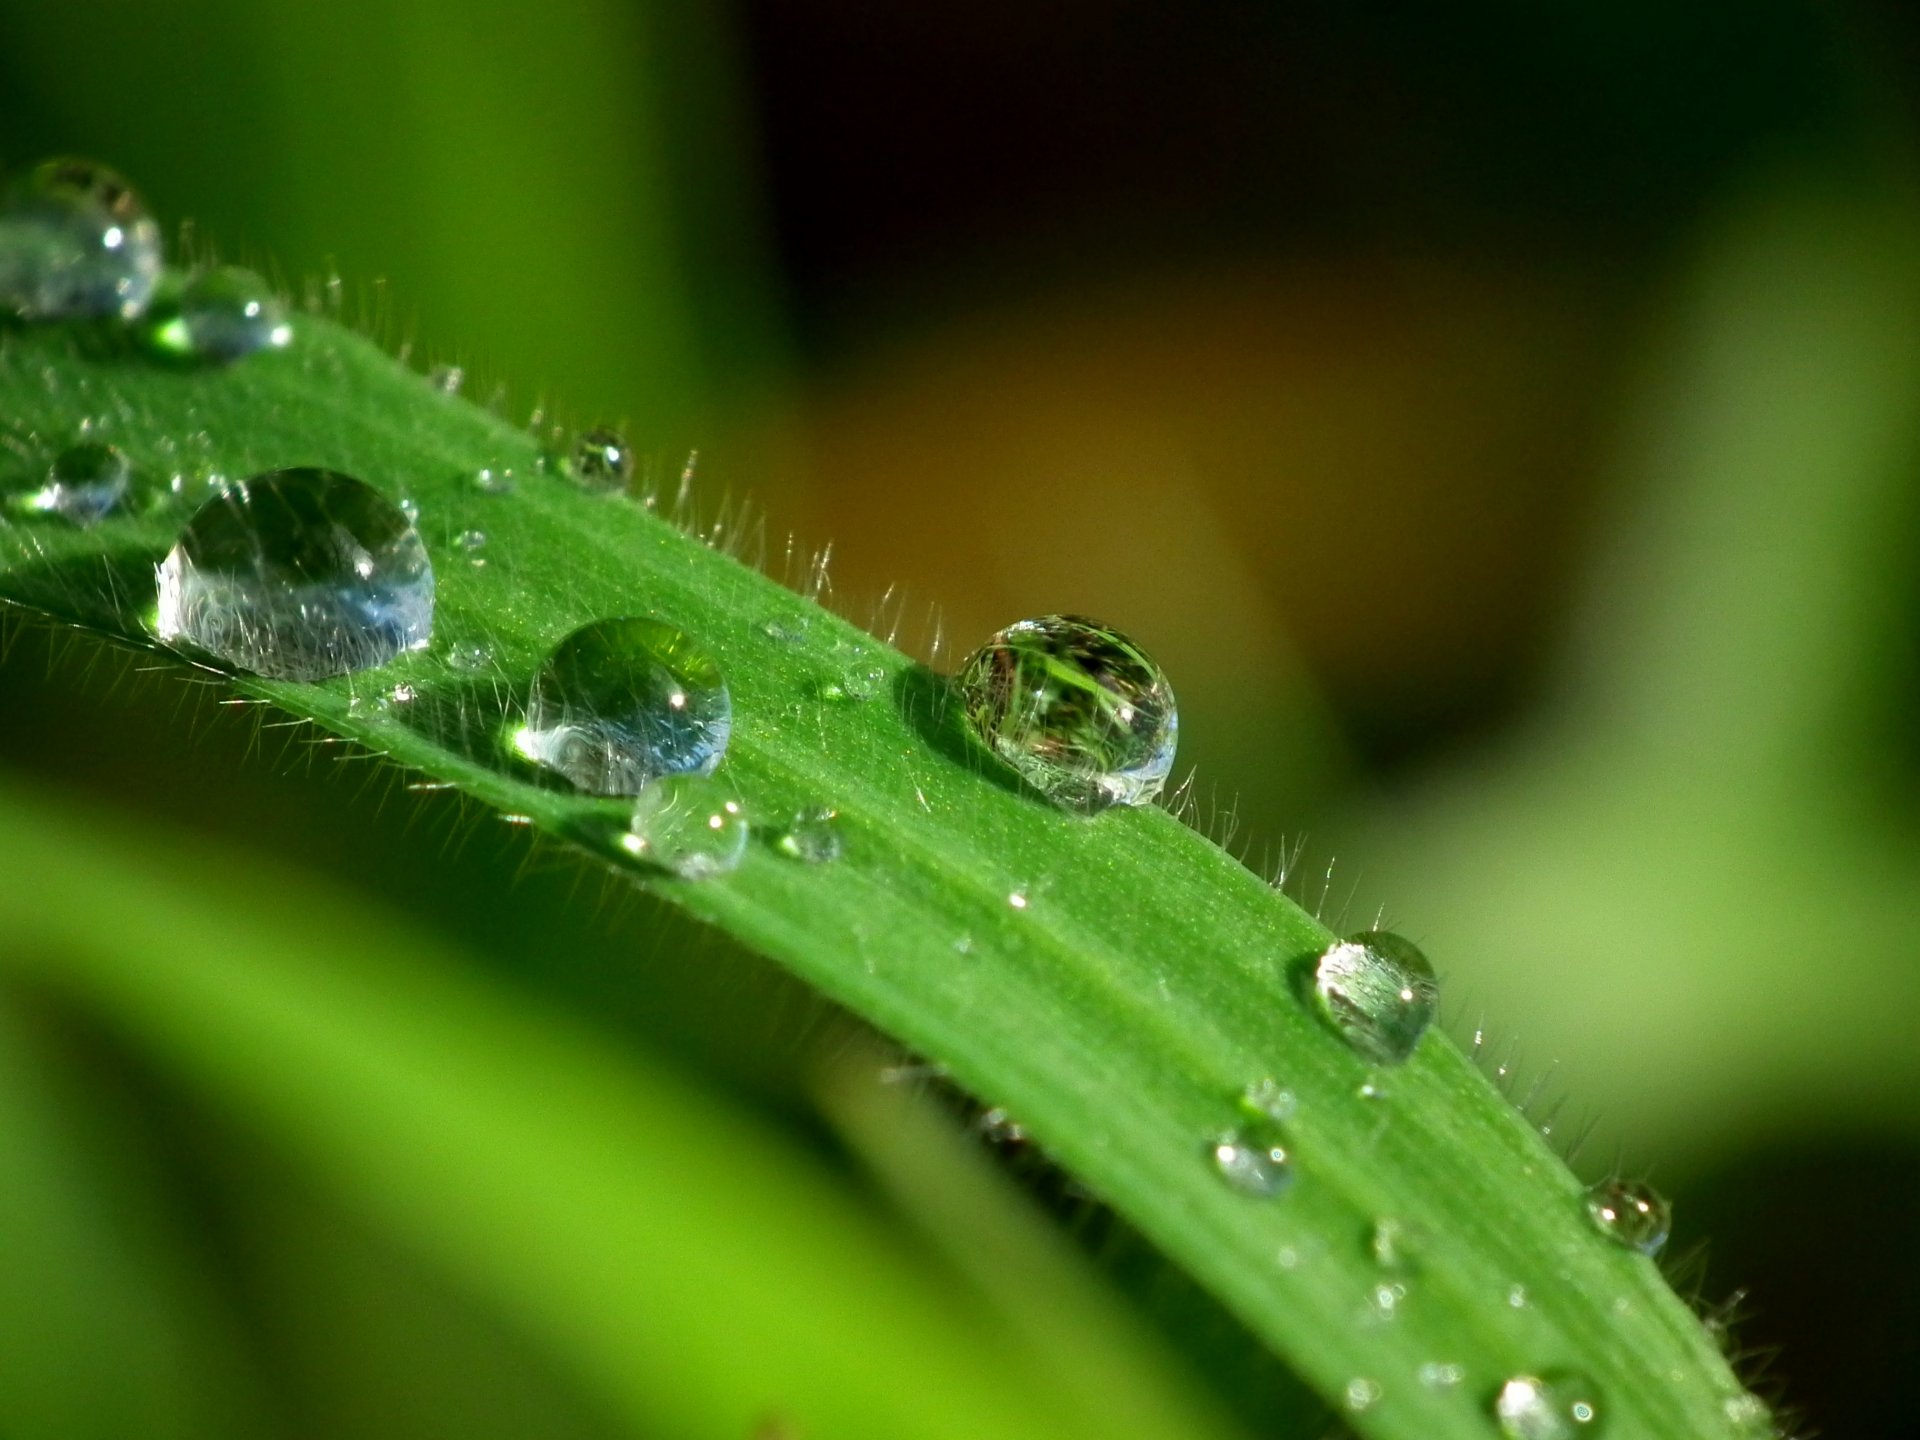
(1114, 982)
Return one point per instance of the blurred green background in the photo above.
(1504, 425)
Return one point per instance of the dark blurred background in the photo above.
(1500, 421)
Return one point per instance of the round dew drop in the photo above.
(602, 459)
(85, 484)
(298, 575)
(1253, 1161)
(691, 826)
(620, 703)
(1557, 1407)
(812, 836)
(1630, 1214)
(1379, 992)
(219, 316)
(76, 242)
(1080, 711)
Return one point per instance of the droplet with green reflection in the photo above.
(85, 484)
(76, 242)
(622, 702)
(691, 826)
(1630, 1213)
(219, 316)
(1378, 991)
(298, 575)
(1081, 712)
(1561, 1406)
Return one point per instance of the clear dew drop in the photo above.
(601, 459)
(855, 683)
(622, 702)
(785, 630)
(219, 316)
(1077, 709)
(1253, 1160)
(1630, 1214)
(812, 836)
(1362, 1394)
(1441, 1375)
(298, 575)
(85, 484)
(493, 480)
(469, 659)
(1556, 1407)
(1378, 991)
(690, 825)
(76, 242)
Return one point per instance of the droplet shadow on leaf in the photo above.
(927, 703)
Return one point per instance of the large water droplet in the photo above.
(688, 825)
(298, 575)
(86, 483)
(1079, 710)
(601, 459)
(75, 241)
(220, 316)
(812, 836)
(621, 702)
(1378, 991)
(1253, 1160)
(1557, 1407)
(1630, 1214)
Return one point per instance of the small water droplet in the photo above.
(75, 242)
(469, 659)
(855, 683)
(447, 379)
(399, 695)
(493, 480)
(620, 702)
(1268, 1099)
(1017, 899)
(1517, 1297)
(1363, 1394)
(1630, 1214)
(689, 825)
(1441, 1375)
(812, 836)
(1749, 1415)
(298, 575)
(601, 459)
(1388, 1244)
(1253, 1160)
(471, 540)
(85, 484)
(1378, 991)
(219, 316)
(1556, 1407)
(1077, 709)
(410, 508)
(963, 945)
(1384, 1301)
(786, 630)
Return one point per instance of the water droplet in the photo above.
(86, 483)
(410, 508)
(1363, 1394)
(1387, 1243)
(1749, 1415)
(621, 702)
(1378, 991)
(856, 683)
(471, 540)
(1017, 899)
(399, 695)
(1517, 1297)
(1253, 1161)
(1559, 1407)
(601, 459)
(1384, 1301)
(76, 241)
(788, 631)
(1630, 1214)
(1269, 1100)
(688, 825)
(812, 836)
(1080, 711)
(298, 575)
(493, 480)
(447, 379)
(469, 658)
(1441, 1375)
(220, 315)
